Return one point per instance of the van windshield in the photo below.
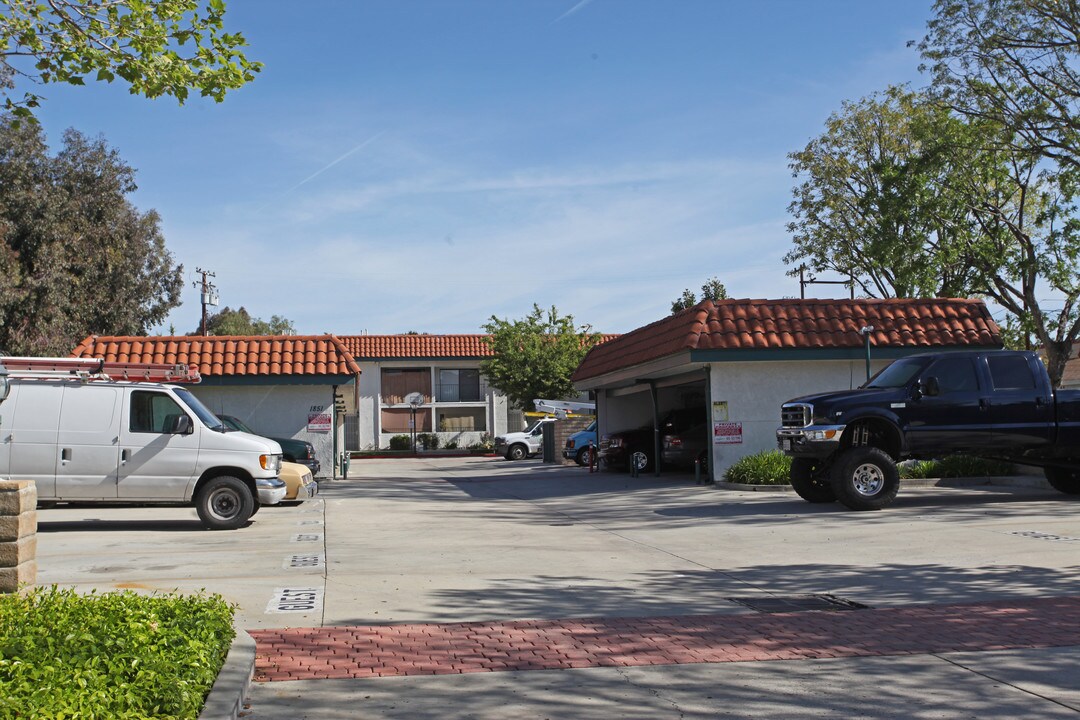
(208, 418)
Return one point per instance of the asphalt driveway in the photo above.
(438, 544)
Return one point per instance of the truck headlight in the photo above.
(270, 462)
(820, 435)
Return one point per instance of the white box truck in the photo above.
(86, 431)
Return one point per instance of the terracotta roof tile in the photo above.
(219, 356)
(779, 324)
(370, 347)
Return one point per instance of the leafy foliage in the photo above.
(158, 47)
(116, 655)
(240, 322)
(956, 466)
(768, 467)
(534, 357)
(76, 257)
(712, 289)
(430, 441)
(400, 442)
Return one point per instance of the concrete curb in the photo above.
(1027, 481)
(226, 698)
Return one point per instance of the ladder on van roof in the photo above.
(99, 369)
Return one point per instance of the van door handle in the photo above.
(125, 455)
(65, 455)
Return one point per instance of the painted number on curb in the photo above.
(307, 537)
(288, 600)
(304, 561)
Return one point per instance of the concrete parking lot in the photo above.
(460, 546)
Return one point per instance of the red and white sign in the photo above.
(727, 433)
(318, 422)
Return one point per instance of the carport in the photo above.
(739, 360)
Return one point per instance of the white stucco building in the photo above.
(741, 359)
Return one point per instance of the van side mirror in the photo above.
(182, 425)
(930, 387)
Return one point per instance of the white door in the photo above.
(31, 415)
(155, 462)
(88, 441)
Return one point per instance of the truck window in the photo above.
(1010, 372)
(152, 412)
(899, 374)
(954, 375)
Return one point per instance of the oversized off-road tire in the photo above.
(517, 452)
(809, 482)
(1066, 480)
(640, 461)
(224, 503)
(865, 478)
(583, 456)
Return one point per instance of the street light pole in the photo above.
(865, 331)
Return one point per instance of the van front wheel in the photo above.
(224, 503)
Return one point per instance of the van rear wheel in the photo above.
(224, 503)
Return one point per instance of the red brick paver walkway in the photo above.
(432, 649)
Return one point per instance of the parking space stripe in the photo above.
(445, 648)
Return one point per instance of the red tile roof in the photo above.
(416, 346)
(229, 355)
(365, 347)
(798, 324)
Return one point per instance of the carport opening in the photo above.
(683, 434)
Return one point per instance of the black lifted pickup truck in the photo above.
(996, 404)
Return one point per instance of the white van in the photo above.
(134, 442)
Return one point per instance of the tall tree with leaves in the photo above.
(711, 289)
(535, 356)
(240, 322)
(157, 47)
(76, 257)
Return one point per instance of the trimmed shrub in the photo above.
(400, 442)
(956, 466)
(769, 467)
(116, 655)
(429, 441)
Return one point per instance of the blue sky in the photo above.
(420, 165)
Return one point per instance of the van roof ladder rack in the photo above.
(99, 369)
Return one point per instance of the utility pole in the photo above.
(207, 295)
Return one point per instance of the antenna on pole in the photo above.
(207, 295)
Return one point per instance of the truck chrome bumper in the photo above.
(271, 491)
(809, 440)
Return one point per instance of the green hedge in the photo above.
(956, 466)
(116, 655)
(769, 467)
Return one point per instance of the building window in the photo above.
(463, 420)
(399, 382)
(460, 385)
(396, 420)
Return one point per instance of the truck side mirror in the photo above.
(930, 386)
(182, 425)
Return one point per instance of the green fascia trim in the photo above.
(277, 380)
(851, 353)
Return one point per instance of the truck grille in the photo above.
(796, 415)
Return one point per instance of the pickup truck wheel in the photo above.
(517, 452)
(865, 478)
(224, 503)
(809, 482)
(640, 461)
(583, 456)
(1066, 480)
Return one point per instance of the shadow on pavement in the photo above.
(97, 525)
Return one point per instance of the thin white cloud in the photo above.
(571, 11)
(316, 174)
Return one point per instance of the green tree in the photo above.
(915, 201)
(158, 47)
(868, 205)
(240, 322)
(712, 289)
(1013, 62)
(76, 257)
(534, 357)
